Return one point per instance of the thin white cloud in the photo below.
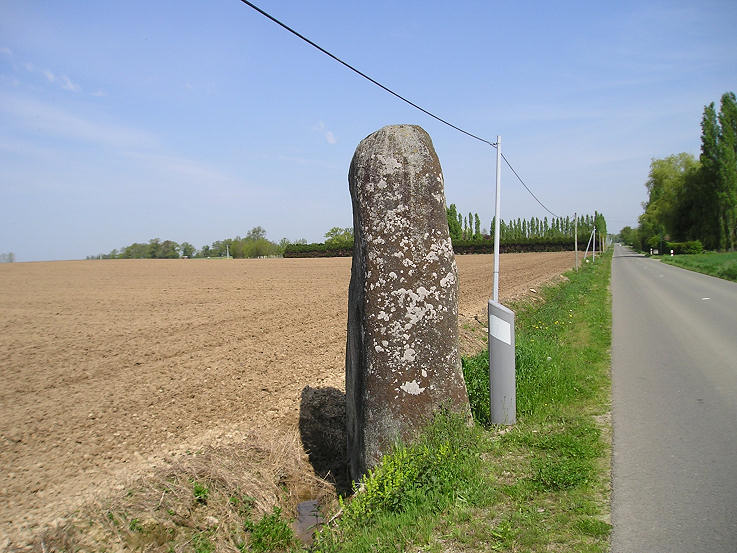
(99, 93)
(327, 133)
(303, 161)
(67, 84)
(7, 51)
(61, 80)
(25, 149)
(40, 117)
(182, 166)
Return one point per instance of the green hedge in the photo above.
(692, 247)
(317, 250)
(460, 247)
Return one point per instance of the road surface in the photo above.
(674, 376)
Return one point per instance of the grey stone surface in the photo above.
(402, 358)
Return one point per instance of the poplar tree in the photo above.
(706, 206)
(727, 169)
(454, 227)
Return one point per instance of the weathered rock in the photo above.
(402, 359)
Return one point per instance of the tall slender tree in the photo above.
(727, 169)
(454, 228)
(707, 211)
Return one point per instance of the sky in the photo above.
(197, 121)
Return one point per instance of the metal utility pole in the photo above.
(593, 246)
(575, 236)
(588, 244)
(497, 210)
(502, 374)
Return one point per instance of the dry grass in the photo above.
(199, 502)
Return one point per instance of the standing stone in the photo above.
(402, 359)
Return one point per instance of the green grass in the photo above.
(271, 533)
(541, 485)
(722, 265)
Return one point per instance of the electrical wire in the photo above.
(526, 187)
(390, 91)
(374, 81)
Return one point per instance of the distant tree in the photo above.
(477, 227)
(454, 227)
(188, 250)
(339, 237)
(707, 210)
(152, 251)
(628, 235)
(7, 257)
(727, 170)
(282, 245)
(256, 233)
(135, 251)
(168, 249)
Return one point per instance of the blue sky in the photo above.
(196, 121)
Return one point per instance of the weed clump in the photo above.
(271, 533)
(439, 469)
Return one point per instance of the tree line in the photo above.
(468, 228)
(693, 199)
(254, 244)
(467, 236)
(464, 232)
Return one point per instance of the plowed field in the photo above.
(108, 365)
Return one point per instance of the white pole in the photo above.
(497, 211)
(586, 253)
(593, 247)
(575, 236)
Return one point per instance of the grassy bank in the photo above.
(722, 265)
(541, 485)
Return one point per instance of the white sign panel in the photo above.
(500, 329)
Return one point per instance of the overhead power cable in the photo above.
(526, 187)
(362, 74)
(390, 91)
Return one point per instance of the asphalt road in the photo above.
(674, 377)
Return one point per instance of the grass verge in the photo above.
(722, 265)
(542, 485)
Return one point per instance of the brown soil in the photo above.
(109, 366)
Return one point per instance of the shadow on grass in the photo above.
(323, 433)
